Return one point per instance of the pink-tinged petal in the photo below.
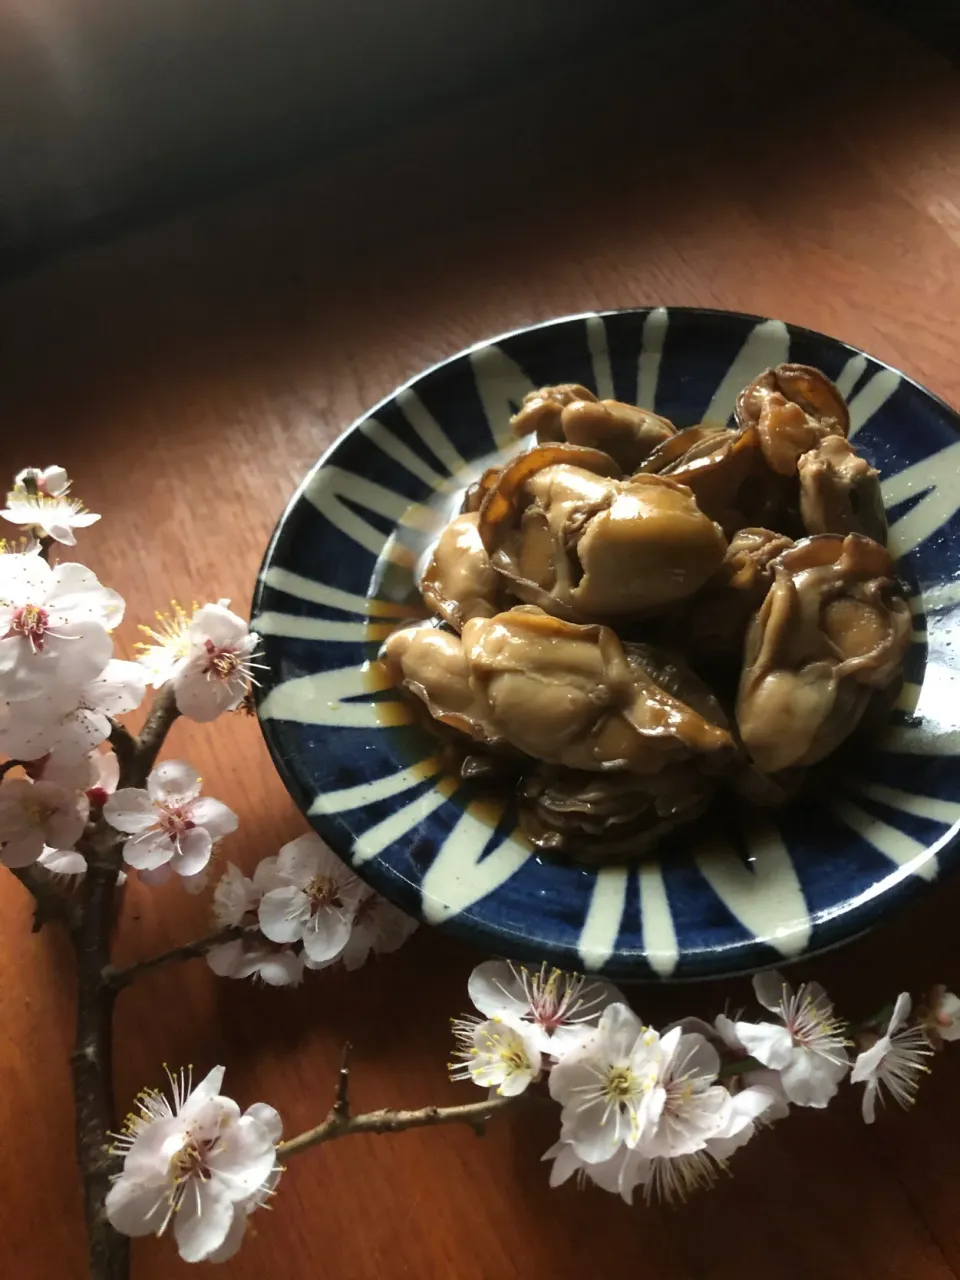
(194, 852)
(136, 1210)
(148, 851)
(302, 859)
(202, 696)
(269, 1117)
(174, 782)
(203, 1221)
(214, 816)
(496, 991)
(769, 988)
(325, 935)
(620, 1028)
(243, 1159)
(284, 914)
(131, 810)
(768, 1043)
(217, 623)
(234, 1237)
(23, 851)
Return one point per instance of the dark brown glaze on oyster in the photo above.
(793, 408)
(840, 491)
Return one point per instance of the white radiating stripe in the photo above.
(294, 584)
(659, 934)
(296, 627)
(908, 697)
(321, 699)
(375, 790)
(901, 849)
(849, 375)
(651, 351)
(430, 431)
(597, 342)
(598, 937)
(766, 344)
(331, 485)
(396, 825)
(501, 385)
(872, 397)
(933, 599)
(765, 897)
(921, 740)
(938, 479)
(457, 878)
(946, 811)
(401, 453)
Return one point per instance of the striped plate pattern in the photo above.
(339, 574)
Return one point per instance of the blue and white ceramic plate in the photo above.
(339, 575)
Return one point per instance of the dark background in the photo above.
(114, 112)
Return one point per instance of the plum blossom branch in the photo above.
(52, 903)
(117, 979)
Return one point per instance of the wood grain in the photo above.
(796, 161)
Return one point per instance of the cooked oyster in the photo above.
(725, 472)
(475, 494)
(541, 410)
(568, 536)
(793, 408)
(833, 627)
(459, 581)
(840, 491)
(715, 621)
(596, 816)
(562, 693)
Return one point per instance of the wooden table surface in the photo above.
(798, 161)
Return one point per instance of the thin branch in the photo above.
(474, 1114)
(341, 1104)
(118, 978)
(124, 745)
(152, 736)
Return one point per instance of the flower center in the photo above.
(30, 622)
(620, 1083)
(175, 821)
(222, 663)
(513, 1057)
(189, 1162)
(323, 892)
(39, 811)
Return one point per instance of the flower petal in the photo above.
(148, 851)
(215, 817)
(24, 850)
(901, 1012)
(131, 810)
(203, 1222)
(769, 988)
(284, 914)
(302, 859)
(193, 853)
(134, 1209)
(202, 697)
(269, 1117)
(119, 688)
(234, 1237)
(325, 935)
(217, 623)
(174, 782)
(496, 991)
(243, 1158)
(620, 1028)
(768, 1043)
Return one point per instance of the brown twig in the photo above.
(7, 765)
(117, 979)
(52, 903)
(339, 1123)
(124, 746)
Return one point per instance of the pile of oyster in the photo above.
(629, 617)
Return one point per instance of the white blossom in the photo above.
(605, 1085)
(235, 902)
(495, 1055)
(686, 1106)
(559, 1010)
(48, 511)
(209, 656)
(663, 1178)
(378, 927)
(942, 1015)
(34, 815)
(808, 1049)
(196, 1162)
(63, 862)
(67, 724)
(169, 822)
(894, 1062)
(760, 1078)
(315, 901)
(53, 626)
